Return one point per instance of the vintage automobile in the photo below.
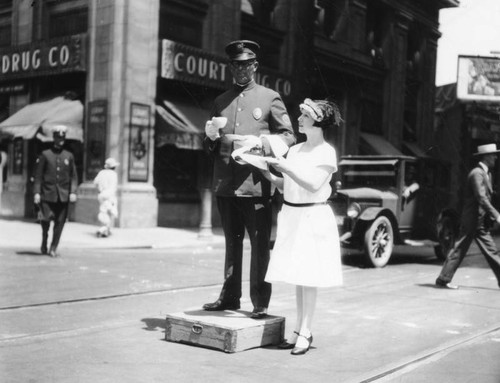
(380, 201)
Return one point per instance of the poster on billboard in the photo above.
(478, 78)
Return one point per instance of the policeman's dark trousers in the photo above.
(59, 212)
(255, 215)
(455, 257)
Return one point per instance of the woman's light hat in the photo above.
(312, 109)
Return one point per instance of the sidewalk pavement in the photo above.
(79, 235)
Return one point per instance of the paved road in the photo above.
(97, 315)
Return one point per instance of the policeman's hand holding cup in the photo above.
(213, 126)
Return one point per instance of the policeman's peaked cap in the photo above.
(59, 131)
(242, 50)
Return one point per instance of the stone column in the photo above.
(394, 87)
(16, 188)
(425, 119)
(122, 69)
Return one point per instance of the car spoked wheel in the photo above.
(379, 242)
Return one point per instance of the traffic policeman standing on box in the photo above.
(241, 115)
(55, 187)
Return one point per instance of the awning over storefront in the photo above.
(39, 118)
(180, 124)
(413, 149)
(375, 144)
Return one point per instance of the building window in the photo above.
(377, 28)
(183, 21)
(262, 10)
(66, 17)
(329, 14)
(257, 25)
(413, 85)
(415, 51)
(5, 22)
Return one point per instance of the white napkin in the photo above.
(243, 156)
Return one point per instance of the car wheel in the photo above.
(446, 238)
(379, 242)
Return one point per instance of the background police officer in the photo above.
(55, 187)
(243, 194)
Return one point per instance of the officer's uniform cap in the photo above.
(242, 50)
(59, 131)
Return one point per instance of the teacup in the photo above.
(219, 122)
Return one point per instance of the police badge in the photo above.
(257, 113)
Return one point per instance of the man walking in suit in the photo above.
(55, 187)
(249, 111)
(478, 216)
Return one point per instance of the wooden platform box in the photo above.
(229, 331)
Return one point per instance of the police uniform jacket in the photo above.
(478, 209)
(250, 110)
(55, 175)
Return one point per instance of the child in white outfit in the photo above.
(107, 183)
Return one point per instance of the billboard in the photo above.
(478, 78)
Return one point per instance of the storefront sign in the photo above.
(478, 78)
(185, 63)
(140, 117)
(43, 57)
(12, 88)
(95, 138)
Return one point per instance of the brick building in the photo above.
(146, 73)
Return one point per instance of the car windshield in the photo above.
(380, 175)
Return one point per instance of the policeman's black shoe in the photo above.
(219, 305)
(445, 285)
(43, 249)
(259, 313)
(287, 346)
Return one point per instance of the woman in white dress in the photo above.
(307, 248)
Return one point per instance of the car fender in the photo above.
(370, 214)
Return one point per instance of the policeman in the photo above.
(54, 188)
(242, 193)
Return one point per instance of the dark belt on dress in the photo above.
(304, 204)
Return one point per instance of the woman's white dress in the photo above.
(307, 247)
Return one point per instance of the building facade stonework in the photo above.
(147, 73)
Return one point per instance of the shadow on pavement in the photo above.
(153, 324)
(430, 285)
(357, 259)
(32, 253)
(399, 259)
